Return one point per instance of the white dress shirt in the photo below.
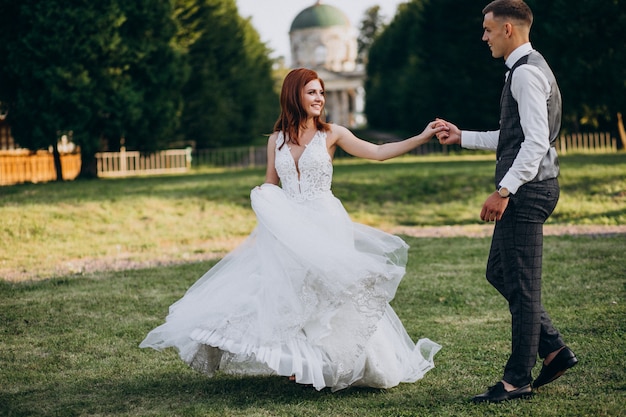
(531, 89)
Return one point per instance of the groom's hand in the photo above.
(494, 207)
(451, 135)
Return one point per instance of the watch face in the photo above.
(503, 192)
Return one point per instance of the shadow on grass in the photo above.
(417, 182)
(397, 181)
(174, 392)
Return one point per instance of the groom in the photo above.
(527, 191)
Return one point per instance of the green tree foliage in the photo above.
(145, 71)
(389, 58)
(229, 97)
(371, 25)
(430, 61)
(101, 69)
(149, 101)
(51, 65)
(585, 44)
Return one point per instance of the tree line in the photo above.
(430, 61)
(139, 73)
(150, 73)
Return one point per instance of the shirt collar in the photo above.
(519, 52)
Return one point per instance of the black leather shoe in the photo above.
(497, 393)
(563, 360)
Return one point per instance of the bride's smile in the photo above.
(313, 98)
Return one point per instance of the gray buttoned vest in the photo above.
(511, 134)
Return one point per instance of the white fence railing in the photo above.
(586, 142)
(256, 156)
(127, 163)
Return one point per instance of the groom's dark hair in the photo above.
(513, 9)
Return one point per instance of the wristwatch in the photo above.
(504, 192)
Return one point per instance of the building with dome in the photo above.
(323, 39)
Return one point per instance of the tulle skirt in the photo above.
(306, 295)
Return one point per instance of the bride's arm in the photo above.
(346, 140)
(271, 176)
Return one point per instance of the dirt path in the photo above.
(486, 230)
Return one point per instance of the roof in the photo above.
(319, 15)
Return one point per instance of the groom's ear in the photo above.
(508, 29)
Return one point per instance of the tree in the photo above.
(229, 97)
(52, 66)
(370, 27)
(98, 69)
(585, 44)
(430, 61)
(149, 104)
(389, 56)
(261, 104)
(420, 68)
(113, 71)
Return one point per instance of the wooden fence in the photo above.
(586, 142)
(127, 163)
(20, 166)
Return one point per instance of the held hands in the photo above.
(450, 134)
(432, 129)
(435, 127)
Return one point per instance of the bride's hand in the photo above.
(451, 135)
(432, 129)
(436, 127)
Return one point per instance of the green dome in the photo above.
(319, 15)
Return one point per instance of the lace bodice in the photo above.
(315, 169)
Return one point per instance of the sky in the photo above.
(272, 18)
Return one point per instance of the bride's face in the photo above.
(313, 98)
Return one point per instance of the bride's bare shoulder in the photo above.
(336, 132)
(275, 138)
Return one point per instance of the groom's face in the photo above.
(495, 34)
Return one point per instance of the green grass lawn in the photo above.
(69, 343)
(58, 228)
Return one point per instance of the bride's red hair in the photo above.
(292, 114)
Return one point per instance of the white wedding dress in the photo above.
(306, 294)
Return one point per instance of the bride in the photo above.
(307, 294)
